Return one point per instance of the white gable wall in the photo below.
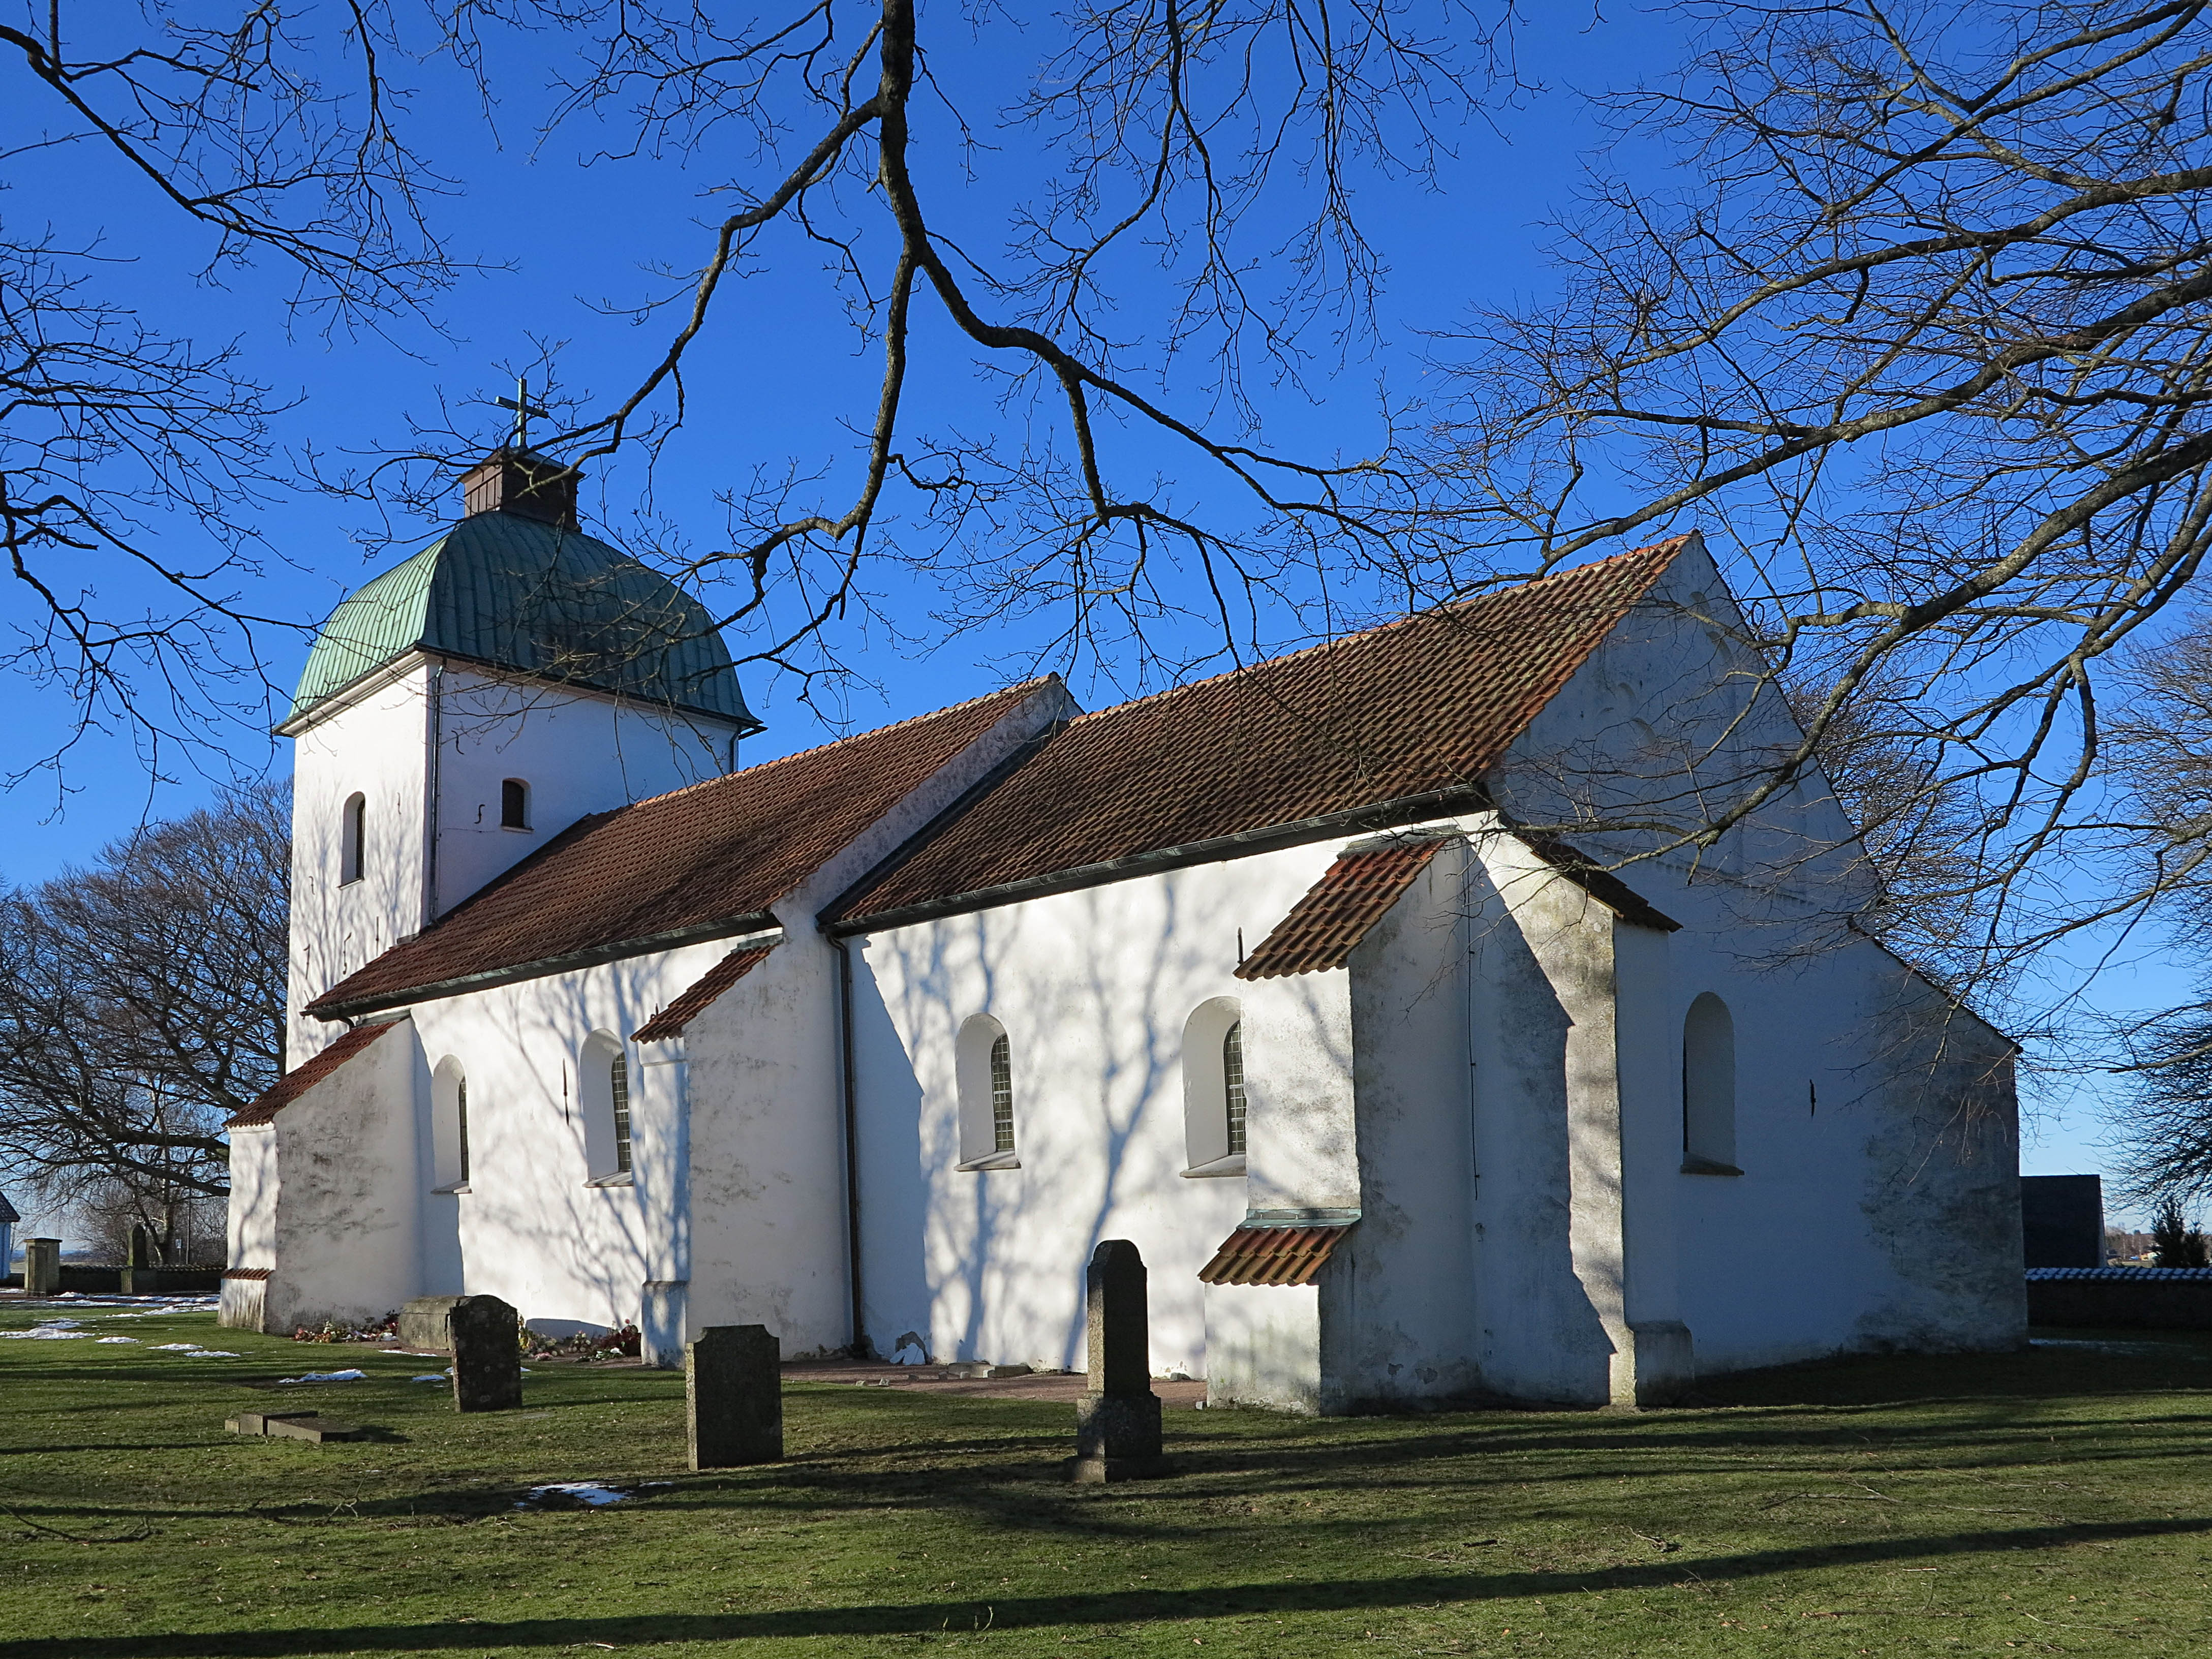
(1823, 1241)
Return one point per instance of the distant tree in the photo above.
(2179, 1243)
(142, 1002)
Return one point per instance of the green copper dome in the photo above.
(517, 593)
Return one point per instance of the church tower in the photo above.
(470, 703)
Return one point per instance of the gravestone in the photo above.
(1117, 1421)
(487, 1349)
(42, 1266)
(422, 1323)
(141, 1245)
(312, 1426)
(734, 1396)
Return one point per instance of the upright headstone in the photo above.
(734, 1393)
(1117, 1421)
(142, 1275)
(42, 1266)
(487, 1339)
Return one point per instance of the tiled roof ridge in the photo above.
(1671, 546)
(1029, 686)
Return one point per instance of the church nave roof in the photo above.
(1413, 712)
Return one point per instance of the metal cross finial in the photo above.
(524, 408)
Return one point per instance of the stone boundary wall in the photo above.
(2122, 1298)
(108, 1281)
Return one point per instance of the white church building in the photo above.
(872, 1044)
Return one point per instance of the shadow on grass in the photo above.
(1033, 1613)
(2145, 1361)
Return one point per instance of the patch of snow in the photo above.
(60, 1324)
(324, 1377)
(176, 1348)
(132, 1341)
(211, 1353)
(584, 1491)
(41, 1333)
(910, 1355)
(432, 1376)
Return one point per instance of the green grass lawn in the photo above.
(2057, 1502)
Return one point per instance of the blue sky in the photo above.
(772, 384)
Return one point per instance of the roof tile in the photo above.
(1272, 1255)
(1353, 894)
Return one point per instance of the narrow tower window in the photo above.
(619, 1090)
(514, 805)
(1232, 1086)
(461, 1123)
(353, 839)
(1002, 1096)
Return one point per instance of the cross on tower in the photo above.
(524, 408)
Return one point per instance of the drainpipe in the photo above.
(850, 1107)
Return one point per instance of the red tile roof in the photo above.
(670, 1021)
(1272, 1255)
(1413, 713)
(304, 1076)
(680, 866)
(1353, 894)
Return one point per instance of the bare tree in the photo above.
(1186, 232)
(1186, 237)
(133, 459)
(142, 1003)
(1921, 324)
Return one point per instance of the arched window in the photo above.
(1232, 1086)
(449, 1128)
(1002, 1096)
(353, 839)
(603, 1077)
(619, 1090)
(1213, 1089)
(1709, 1088)
(983, 1062)
(514, 805)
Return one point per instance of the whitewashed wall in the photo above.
(327, 1196)
(1094, 989)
